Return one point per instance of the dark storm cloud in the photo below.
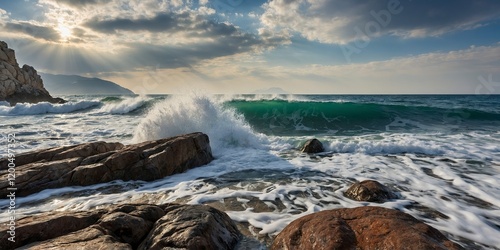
(40, 32)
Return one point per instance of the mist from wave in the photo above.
(186, 114)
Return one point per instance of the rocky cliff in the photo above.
(20, 84)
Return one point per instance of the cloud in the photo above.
(201, 38)
(161, 22)
(80, 3)
(132, 35)
(187, 22)
(4, 15)
(170, 56)
(438, 72)
(36, 31)
(341, 22)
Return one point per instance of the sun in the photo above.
(64, 32)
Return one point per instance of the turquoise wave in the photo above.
(281, 117)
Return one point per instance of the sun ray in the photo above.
(64, 32)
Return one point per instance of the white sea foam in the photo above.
(392, 144)
(477, 146)
(197, 113)
(304, 185)
(263, 97)
(45, 107)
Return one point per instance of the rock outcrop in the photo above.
(369, 190)
(312, 146)
(360, 228)
(192, 227)
(129, 226)
(99, 162)
(20, 84)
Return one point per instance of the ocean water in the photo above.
(440, 154)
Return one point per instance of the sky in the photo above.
(240, 46)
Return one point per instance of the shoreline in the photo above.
(252, 235)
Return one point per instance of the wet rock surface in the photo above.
(192, 227)
(130, 226)
(369, 190)
(360, 228)
(99, 162)
(312, 146)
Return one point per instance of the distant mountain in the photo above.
(79, 85)
(273, 90)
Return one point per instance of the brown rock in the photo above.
(86, 150)
(20, 84)
(64, 152)
(369, 190)
(98, 162)
(90, 238)
(312, 146)
(148, 161)
(49, 168)
(48, 226)
(192, 227)
(125, 227)
(360, 228)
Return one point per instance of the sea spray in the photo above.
(198, 113)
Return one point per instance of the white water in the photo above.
(45, 108)
(186, 114)
(450, 181)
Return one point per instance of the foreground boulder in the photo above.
(130, 226)
(312, 146)
(99, 162)
(20, 84)
(192, 227)
(360, 228)
(369, 190)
